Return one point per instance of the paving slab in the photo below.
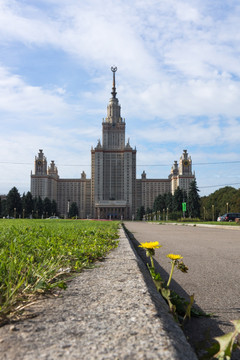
(112, 311)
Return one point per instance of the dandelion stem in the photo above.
(171, 273)
(152, 262)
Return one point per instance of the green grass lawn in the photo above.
(36, 255)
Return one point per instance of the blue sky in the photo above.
(178, 82)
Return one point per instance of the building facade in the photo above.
(113, 192)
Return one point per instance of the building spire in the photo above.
(114, 93)
(113, 109)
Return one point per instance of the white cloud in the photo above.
(23, 101)
(186, 12)
(178, 78)
(25, 23)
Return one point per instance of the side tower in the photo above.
(40, 164)
(113, 167)
(181, 175)
(44, 180)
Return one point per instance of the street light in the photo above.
(227, 206)
(68, 207)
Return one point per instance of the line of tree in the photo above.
(25, 206)
(171, 205)
(209, 207)
(222, 201)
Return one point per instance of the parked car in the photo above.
(230, 216)
(220, 218)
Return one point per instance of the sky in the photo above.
(178, 83)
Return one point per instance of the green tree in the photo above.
(164, 201)
(73, 210)
(140, 213)
(168, 198)
(159, 203)
(177, 200)
(38, 206)
(223, 200)
(193, 200)
(27, 204)
(14, 203)
(47, 207)
(4, 211)
(54, 207)
(23, 200)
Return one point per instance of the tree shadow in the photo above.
(199, 331)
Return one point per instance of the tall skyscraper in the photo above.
(113, 166)
(113, 192)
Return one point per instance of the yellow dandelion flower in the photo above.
(150, 245)
(174, 257)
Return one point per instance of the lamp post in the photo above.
(68, 207)
(227, 206)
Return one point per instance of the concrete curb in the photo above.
(112, 311)
(225, 227)
(178, 346)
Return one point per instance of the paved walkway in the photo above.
(212, 255)
(110, 312)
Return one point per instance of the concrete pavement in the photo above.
(212, 255)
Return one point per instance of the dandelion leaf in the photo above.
(189, 308)
(157, 279)
(236, 323)
(225, 346)
(166, 293)
(226, 343)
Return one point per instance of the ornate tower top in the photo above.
(185, 164)
(114, 109)
(113, 129)
(40, 163)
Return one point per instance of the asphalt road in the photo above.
(213, 257)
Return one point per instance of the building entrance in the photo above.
(112, 212)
